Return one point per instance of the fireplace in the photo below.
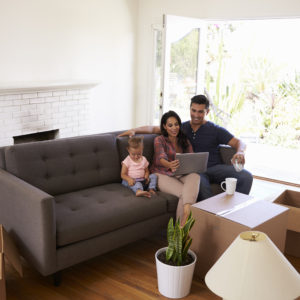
(35, 137)
(29, 109)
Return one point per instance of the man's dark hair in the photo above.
(200, 99)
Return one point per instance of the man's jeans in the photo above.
(217, 174)
(141, 185)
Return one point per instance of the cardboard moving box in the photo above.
(9, 251)
(219, 220)
(291, 199)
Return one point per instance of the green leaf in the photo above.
(186, 248)
(178, 240)
(170, 231)
(169, 253)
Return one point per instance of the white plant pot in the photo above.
(174, 281)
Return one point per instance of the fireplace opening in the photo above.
(36, 137)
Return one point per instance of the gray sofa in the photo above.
(63, 203)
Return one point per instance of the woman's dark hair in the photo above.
(182, 139)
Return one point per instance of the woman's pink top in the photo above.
(163, 148)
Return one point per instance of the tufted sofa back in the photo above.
(66, 165)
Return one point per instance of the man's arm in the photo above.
(142, 129)
(240, 147)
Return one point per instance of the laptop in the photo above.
(191, 163)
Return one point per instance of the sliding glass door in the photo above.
(182, 73)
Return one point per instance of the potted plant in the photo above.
(175, 264)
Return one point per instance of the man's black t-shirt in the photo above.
(207, 139)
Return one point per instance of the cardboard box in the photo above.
(219, 220)
(9, 251)
(291, 199)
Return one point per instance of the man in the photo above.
(206, 136)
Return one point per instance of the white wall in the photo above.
(151, 12)
(44, 40)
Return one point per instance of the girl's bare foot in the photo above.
(140, 193)
(151, 191)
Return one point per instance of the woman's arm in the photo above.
(163, 157)
(172, 165)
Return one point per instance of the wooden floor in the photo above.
(126, 273)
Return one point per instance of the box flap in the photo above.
(255, 214)
(2, 278)
(1, 266)
(10, 251)
(222, 203)
(291, 199)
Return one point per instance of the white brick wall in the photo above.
(35, 111)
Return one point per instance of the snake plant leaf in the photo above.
(170, 231)
(178, 240)
(178, 243)
(170, 252)
(186, 248)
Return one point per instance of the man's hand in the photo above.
(240, 157)
(131, 181)
(129, 133)
(240, 147)
(141, 130)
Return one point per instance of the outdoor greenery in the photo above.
(259, 98)
(252, 95)
(179, 241)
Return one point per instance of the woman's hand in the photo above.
(173, 165)
(147, 178)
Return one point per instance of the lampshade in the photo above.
(253, 268)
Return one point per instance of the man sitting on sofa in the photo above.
(206, 136)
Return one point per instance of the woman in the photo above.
(164, 164)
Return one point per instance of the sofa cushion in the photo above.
(122, 143)
(226, 154)
(65, 165)
(87, 213)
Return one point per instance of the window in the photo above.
(251, 72)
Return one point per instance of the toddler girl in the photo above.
(135, 172)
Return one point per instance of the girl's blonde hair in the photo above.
(135, 142)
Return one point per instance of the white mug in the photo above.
(230, 185)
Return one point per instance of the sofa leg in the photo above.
(57, 278)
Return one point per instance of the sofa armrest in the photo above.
(226, 153)
(29, 215)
